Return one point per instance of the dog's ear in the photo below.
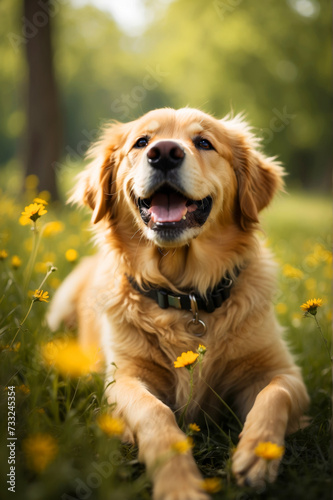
(95, 185)
(258, 177)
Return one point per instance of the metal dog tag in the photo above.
(195, 325)
(197, 328)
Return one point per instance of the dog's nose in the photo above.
(165, 155)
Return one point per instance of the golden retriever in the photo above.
(176, 196)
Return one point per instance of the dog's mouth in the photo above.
(168, 211)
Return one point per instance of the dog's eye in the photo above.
(201, 143)
(142, 142)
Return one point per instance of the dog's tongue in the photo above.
(168, 207)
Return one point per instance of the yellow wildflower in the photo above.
(45, 195)
(211, 484)
(40, 296)
(24, 221)
(34, 211)
(3, 254)
(186, 359)
(69, 358)
(71, 255)
(24, 389)
(111, 426)
(311, 306)
(182, 447)
(40, 201)
(201, 349)
(194, 427)
(269, 451)
(53, 228)
(16, 262)
(292, 272)
(312, 261)
(40, 450)
(31, 181)
(281, 308)
(41, 267)
(16, 346)
(13, 348)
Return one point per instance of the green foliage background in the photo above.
(270, 59)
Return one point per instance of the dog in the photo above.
(175, 198)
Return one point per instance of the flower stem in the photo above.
(323, 338)
(224, 434)
(225, 404)
(32, 303)
(189, 399)
(35, 245)
(50, 271)
(22, 323)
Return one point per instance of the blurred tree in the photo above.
(43, 114)
(271, 60)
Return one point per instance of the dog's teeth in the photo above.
(184, 217)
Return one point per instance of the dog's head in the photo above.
(171, 173)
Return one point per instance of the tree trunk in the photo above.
(43, 114)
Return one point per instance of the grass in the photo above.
(70, 456)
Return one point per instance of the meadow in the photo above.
(63, 446)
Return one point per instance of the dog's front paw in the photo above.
(249, 465)
(179, 479)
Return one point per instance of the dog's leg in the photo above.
(153, 424)
(277, 409)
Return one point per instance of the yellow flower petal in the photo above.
(3, 254)
(111, 426)
(71, 255)
(40, 450)
(312, 305)
(194, 427)
(269, 451)
(31, 181)
(40, 201)
(40, 296)
(281, 308)
(53, 228)
(186, 359)
(24, 389)
(292, 272)
(201, 349)
(16, 262)
(69, 358)
(211, 484)
(45, 195)
(34, 211)
(41, 267)
(24, 220)
(183, 446)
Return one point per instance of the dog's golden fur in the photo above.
(246, 362)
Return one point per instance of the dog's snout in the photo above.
(165, 155)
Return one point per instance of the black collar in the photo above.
(165, 298)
